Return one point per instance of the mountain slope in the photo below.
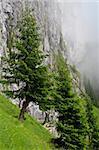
(15, 135)
(29, 135)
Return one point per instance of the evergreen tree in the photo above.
(72, 122)
(49, 94)
(24, 65)
(93, 132)
(90, 91)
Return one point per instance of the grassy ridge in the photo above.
(15, 135)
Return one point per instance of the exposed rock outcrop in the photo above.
(48, 17)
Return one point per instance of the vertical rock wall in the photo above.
(48, 17)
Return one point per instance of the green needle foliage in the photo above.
(72, 121)
(91, 91)
(93, 133)
(25, 65)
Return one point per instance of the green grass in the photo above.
(29, 135)
(14, 135)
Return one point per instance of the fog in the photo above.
(80, 25)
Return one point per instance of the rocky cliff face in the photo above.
(48, 17)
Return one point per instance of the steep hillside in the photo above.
(15, 135)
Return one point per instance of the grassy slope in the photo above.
(15, 135)
(29, 135)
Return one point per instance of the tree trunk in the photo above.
(46, 118)
(23, 110)
(19, 103)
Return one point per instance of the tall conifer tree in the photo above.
(25, 65)
(72, 121)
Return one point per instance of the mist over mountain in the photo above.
(80, 25)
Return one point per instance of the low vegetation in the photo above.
(15, 135)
